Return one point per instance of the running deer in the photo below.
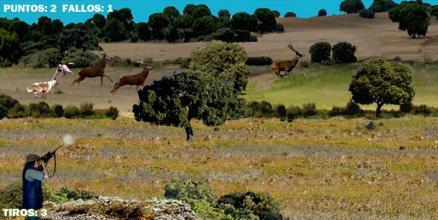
(286, 65)
(133, 80)
(94, 71)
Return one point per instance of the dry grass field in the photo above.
(333, 168)
(373, 37)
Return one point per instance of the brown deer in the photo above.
(94, 71)
(286, 65)
(134, 80)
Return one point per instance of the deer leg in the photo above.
(78, 80)
(116, 86)
(108, 78)
(101, 81)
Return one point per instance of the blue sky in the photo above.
(141, 9)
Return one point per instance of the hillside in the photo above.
(373, 37)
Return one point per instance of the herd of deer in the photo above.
(40, 89)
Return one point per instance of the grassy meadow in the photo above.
(327, 86)
(314, 168)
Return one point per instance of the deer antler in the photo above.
(292, 48)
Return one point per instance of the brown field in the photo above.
(372, 37)
(316, 169)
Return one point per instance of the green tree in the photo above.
(114, 31)
(322, 12)
(184, 25)
(224, 16)
(99, 20)
(177, 99)
(204, 25)
(222, 60)
(79, 39)
(201, 11)
(382, 5)
(244, 21)
(266, 20)
(123, 15)
(320, 52)
(382, 82)
(189, 9)
(351, 6)
(434, 11)
(171, 13)
(158, 23)
(9, 48)
(343, 52)
(144, 33)
(290, 14)
(412, 17)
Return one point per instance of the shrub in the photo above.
(320, 51)
(38, 110)
(353, 109)
(80, 58)
(242, 36)
(259, 61)
(279, 28)
(406, 107)
(46, 58)
(3, 112)
(293, 112)
(71, 112)
(86, 110)
(366, 13)
(250, 205)
(73, 194)
(382, 5)
(281, 112)
(422, 110)
(335, 111)
(7, 101)
(12, 196)
(309, 109)
(112, 113)
(290, 14)
(322, 12)
(343, 52)
(18, 111)
(224, 34)
(57, 111)
(351, 6)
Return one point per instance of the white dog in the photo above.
(40, 89)
(61, 70)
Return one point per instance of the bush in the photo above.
(322, 12)
(80, 58)
(224, 34)
(290, 14)
(422, 110)
(112, 113)
(86, 110)
(406, 107)
(12, 196)
(279, 28)
(242, 36)
(7, 101)
(46, 58)
(351, 6)
(38, 110)
(72, 194)
(259, 61)
(293, 112)
(18, 111)
(353, 109)
(281, 112)
(366, 13)
(320, 51)
(382, 5)
(309, 109)
(250, 205)
(57, 111)
(336, 111)
(3, 112)
(343, 52)
(71, 112)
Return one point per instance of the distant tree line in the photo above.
(46, 42)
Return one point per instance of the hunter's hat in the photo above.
(32, 157)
